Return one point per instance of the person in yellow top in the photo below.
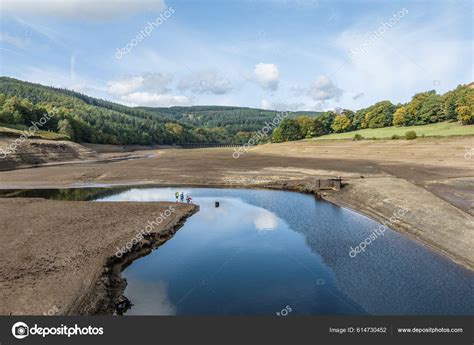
(176, 196)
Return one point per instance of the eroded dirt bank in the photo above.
(60, 257)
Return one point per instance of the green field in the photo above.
(442, 129)
(15, 131)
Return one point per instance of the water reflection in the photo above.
(154, 299)
(263, 250)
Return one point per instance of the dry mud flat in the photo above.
(60, 257)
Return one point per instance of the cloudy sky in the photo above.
(278, 54)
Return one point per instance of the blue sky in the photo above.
(284, 55)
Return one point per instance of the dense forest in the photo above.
(424, 108)
(235, 121)
(86, 119)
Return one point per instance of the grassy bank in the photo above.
(17, 130)
(442, 129)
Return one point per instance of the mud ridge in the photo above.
(106, 297)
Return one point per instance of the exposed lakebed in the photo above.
(265, 252)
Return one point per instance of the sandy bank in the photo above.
(59, 257)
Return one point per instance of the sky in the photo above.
(273, 54)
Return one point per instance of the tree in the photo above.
(176, 131)
(465, 115)
(318, 127)
(450, 106)
(358, 119)
(64, 127)
(326, 121)
(463, 95)
(400, 116)
(350, 115)
(379, 115)
(306, 126)
(340, 123)
(288, 130)
(431, 109)
(413, 108)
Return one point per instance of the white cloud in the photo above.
(323, 89)
(265, 220)
(155, 99)
(150, 82)
(281, 106)
(124, 86)
(266, 75)
(82, 9)
(358, 95)
(147, 89)
(205, 82)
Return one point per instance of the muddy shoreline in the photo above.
(60, 258)
(107, 296)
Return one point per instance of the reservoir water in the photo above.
(267, 252)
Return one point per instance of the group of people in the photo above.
(180, 197)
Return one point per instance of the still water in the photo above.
(274, 252)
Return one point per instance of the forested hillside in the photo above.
(232, 119)
(86, 119)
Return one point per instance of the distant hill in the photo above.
(233, 119)
(87, 119)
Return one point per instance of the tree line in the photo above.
(424, 108)
(86, 119)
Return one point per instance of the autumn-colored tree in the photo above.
(340, 123)
(465, 114)
(400, 116)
